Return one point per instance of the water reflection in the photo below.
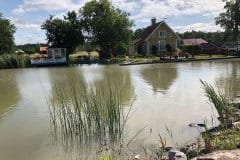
(229, 80)
(25, 132)
(89, 116)
(114, 77)
(119, 79)
(9, 93)
(160, 77)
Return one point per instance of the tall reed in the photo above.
(87, 115)
(223, 105)
(228, 136)
(14, 61)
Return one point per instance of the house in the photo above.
(53, 56)
(43, 50)
(155, 40)
(195, 42)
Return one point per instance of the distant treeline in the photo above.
(30, 48)
(211, 37)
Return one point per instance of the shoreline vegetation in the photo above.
(82, 116)
(8, 61)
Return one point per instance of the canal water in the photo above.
(164, 99)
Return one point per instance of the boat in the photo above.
(50, 56)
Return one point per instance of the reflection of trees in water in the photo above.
(62, 78)
(160, 77)
(119, 80)
(89, 117)
(9, 93)
(229, 81)
(114, 77)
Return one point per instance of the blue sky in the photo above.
(181, 15)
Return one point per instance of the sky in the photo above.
(181, 15)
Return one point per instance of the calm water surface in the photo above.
(163, 95)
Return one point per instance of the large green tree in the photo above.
(65, 33)
(7, 30)
(107, 27)
(230, 19)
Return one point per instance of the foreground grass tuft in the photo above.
(226, 136)
(87, 116)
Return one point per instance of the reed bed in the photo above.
(88, 116)
(226, 136)
(14, 61)
(222, 103)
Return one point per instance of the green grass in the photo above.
(206, 56)
(227, 139)
(227, 136)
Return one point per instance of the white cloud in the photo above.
(126, 5)
(22, 24)
(168, 8)
(29, 37)
(139, 8)
(47, 5)
(205, 27)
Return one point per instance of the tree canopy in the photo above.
(7, 31)
(66, 32)
(107, 27)
(230, 19)
(30, 48)
(138, 32)
(211, 37)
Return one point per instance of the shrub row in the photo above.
(14, 61)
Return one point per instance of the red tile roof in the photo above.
(196, 41)
(43, 49)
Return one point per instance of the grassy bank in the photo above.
(226, 136)
(14, 61)
(93, 57)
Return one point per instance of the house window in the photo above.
(162, 34)
(50, 53)
(57, 54)
(63, 52)
(162, 45)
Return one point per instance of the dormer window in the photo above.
(162, 34)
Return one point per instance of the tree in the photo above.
(7, 30)
(107, 27)
(230, 19)
(66, 32)
(211, 37)
(138, 32)
(29, 48)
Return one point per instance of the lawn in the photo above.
(206, 56)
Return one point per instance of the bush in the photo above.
(122, 49)
(192, 49)
(14, 61)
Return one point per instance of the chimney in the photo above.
(153, 21)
